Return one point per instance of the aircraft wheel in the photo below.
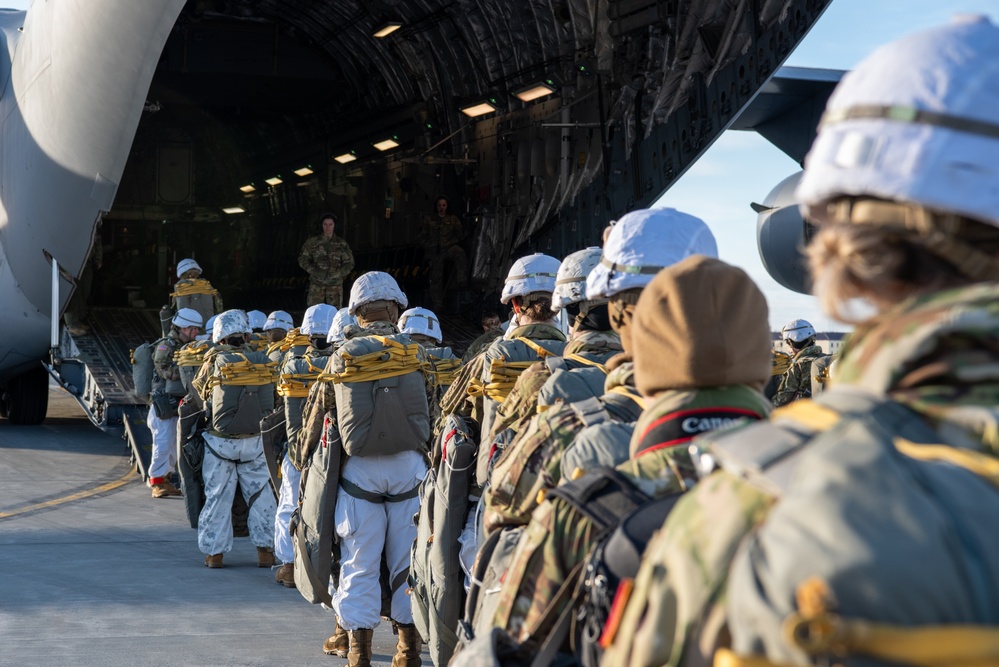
(25, 399)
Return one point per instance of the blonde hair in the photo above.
(876, 264)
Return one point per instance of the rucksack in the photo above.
(142, 370)
(879, 488)
(312, 522)
(189, 359)
(609, 576)
(435, 576)
(242, 391)
(381, 395)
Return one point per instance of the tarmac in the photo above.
(93, 571)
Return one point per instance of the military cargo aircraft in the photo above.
(221, 129)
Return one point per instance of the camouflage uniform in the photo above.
(480, 344)
(558, 537)
(935, 355)
(521, 405)
(797, 382)
(531, 463)
(441, 241)
(327, 261)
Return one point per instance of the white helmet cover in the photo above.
(318, 319)
(375, 286)
(644, 242)
(185, 265)
(257, 319)
(229, 323)
(570, 283)
(341, 321)
(797, 331)
(187, 317)
(279, 319)
(533, 273)
(917, 121)
(420, 321)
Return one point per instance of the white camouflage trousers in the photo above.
(366, 529)
(164, 457)
(287, 502)
(235, 459)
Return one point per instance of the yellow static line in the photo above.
(75, 496)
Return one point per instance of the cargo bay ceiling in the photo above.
(633, 91)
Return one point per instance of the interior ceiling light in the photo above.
(248, 188)
(479, 108)
(386, 144)
(345, 158)
(386, 29)
(276, 180)
(535, 91)
(231, 210)
(304, 171)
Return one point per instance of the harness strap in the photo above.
(220, 457)
(590, 411)
(354, 491)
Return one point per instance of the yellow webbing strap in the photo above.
(572, 356)
(809, 413)
(629, 393)
(502, 378)
(296, 385)
(779, 363)
(983, 465)
(243, 373)
(446, 370)
(541, 352)
(396, 359)
(191, 356)
(294, 338)
(196, 286)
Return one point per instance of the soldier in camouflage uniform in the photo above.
(491, 330)
(799, 335)
(767, 565)
(328, 260)
(442, 236)
(692, 383)
(167, 390)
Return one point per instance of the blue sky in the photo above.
(742, 167)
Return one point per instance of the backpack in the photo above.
(613, 561)
(436, 576)
(191, 456)
(568, 385)
(446, 365)
(381, 395)
(879, 488)
(312, 524)
(189, 359)
(242, 391)
(198, 294)
(142, 370)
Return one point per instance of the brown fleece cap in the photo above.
(700, 323)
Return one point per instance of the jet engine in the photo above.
(781, 236)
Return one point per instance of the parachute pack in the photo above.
(198, 294)
(240, 391)
(863, 454)
(142, 370)
(381, 395)
(435, 574)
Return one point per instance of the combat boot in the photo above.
(171, 490)
(285, 575)
(338, 643)
(265, 557)
(407, 650)
(359, 654)
(213, 561)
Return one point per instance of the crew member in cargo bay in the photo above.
(164, 397)
(237, 386)
(327, 259)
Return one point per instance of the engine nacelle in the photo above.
(781, 236)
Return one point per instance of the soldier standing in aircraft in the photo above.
(442, 236)
(327, 259)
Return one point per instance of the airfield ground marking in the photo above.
(110, 486)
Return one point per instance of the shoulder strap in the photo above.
(590, 411)
(539, 350)
(555, 364)
(603, 496)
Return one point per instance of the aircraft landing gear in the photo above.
(24, 400)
